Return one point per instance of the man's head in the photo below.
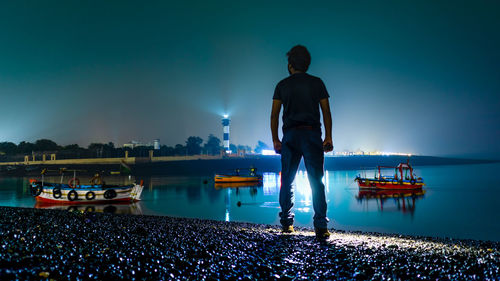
(299, 58)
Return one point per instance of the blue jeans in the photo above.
(298, 143)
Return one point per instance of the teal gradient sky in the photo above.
(410, 76)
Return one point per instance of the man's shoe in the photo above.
(322, 233)
(287, 229)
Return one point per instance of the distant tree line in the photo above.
(9, 151)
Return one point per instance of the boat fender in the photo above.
(394, 181)
(382, 182)
(73, 182)
(110, 194)
(56, 192)
(373, 183)
(72, 195)
(90, 195)
(413, 181)
(37, 189)
(90, 209)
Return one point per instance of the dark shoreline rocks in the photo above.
(61, 245)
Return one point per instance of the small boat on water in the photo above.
(218, 185)
(75, 193)
(403, 178)
(237, 177)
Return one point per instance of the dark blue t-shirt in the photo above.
(300, 94)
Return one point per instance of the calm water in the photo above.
(458, 201)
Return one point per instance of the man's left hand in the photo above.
(277, 146)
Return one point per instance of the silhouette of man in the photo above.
(302, 95)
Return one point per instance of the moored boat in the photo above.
(237, 184)
(75, 193)
(233, 178)
(237, 177)
(403, 178)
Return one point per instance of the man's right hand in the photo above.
(277, 146)
(328, 145)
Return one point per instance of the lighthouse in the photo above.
(225, 124)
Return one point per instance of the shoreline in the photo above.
(55, 244)
(194, 166)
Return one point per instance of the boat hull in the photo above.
(237, 184)
(96, 195)
(236, 179)
(364, 183)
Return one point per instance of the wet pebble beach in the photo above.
(61, 245)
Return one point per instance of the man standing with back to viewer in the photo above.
(302, 95)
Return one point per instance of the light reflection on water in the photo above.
(462, 207)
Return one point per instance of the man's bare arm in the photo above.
(275, 115)
(327, 120)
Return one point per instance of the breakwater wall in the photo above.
(28, 161)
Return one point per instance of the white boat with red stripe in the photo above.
(75, 193)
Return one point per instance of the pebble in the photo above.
(53, 244)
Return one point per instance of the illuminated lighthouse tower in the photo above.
(225, 124)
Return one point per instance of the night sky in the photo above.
(404, 76)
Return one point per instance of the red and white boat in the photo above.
(403, 178)
(75, 193)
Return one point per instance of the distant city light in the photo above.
(268, 152)
(361, 152)
(350, 153)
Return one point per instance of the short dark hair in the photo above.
(299, 58)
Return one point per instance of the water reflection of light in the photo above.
(303, 188)
(304, 210)
(303, 193)
(271, 183)
(228, 203)
(326, 182)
